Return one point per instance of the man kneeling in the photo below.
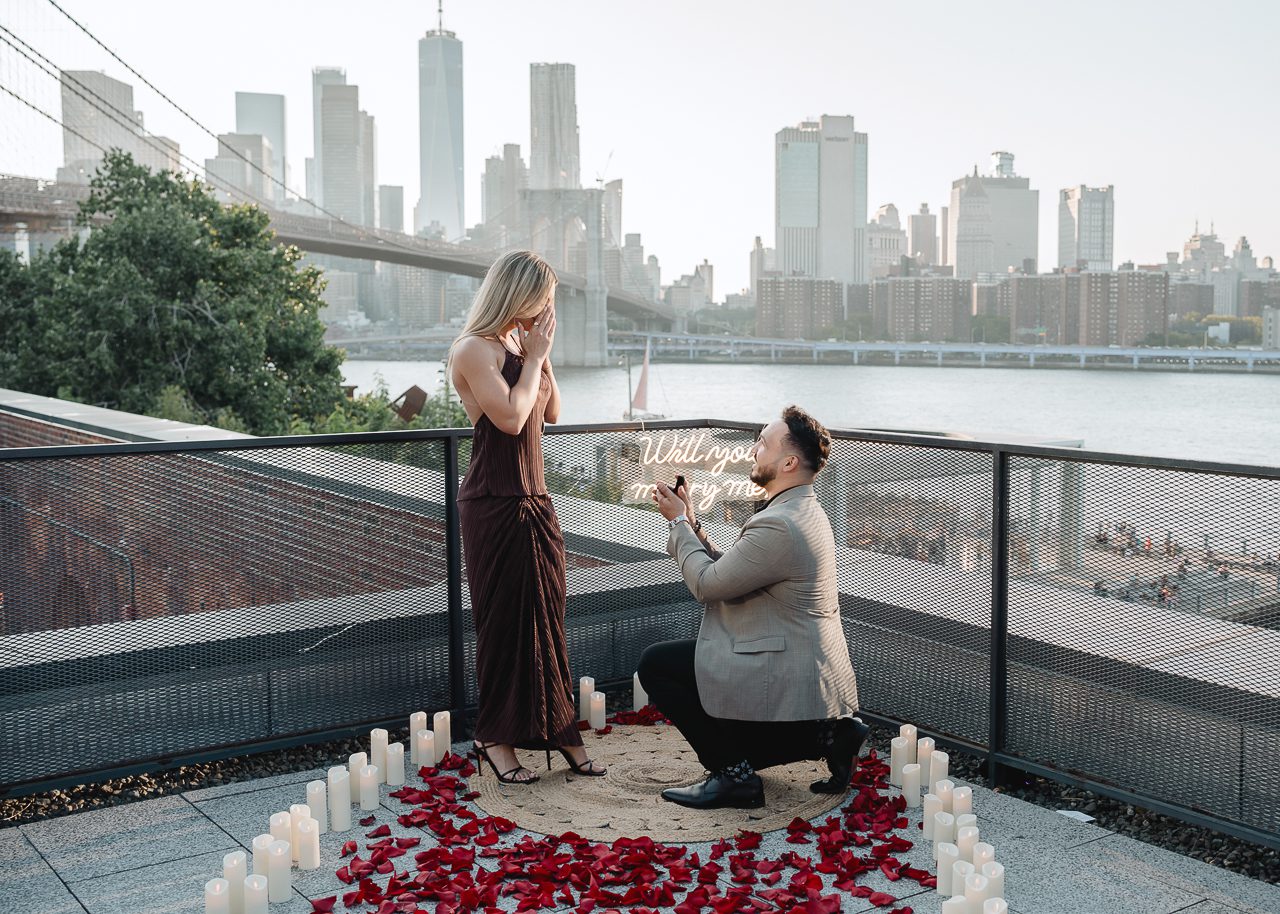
(768, 681)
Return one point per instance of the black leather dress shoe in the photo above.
(719, 791)
(851, 733)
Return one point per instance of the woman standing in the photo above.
(501, 369)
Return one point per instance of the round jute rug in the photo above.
(642, 761)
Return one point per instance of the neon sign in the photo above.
(713, 471)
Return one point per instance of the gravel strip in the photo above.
(1193, 841)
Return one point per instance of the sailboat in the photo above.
(639, 408)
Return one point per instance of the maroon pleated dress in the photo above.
(515, 569)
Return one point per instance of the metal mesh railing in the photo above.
(157, 604)
(1142, 647)
(1112, 620)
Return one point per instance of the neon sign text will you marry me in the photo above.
(714, 471)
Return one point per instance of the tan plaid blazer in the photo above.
(771, 646)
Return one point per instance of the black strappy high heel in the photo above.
(586, 769)
(505, 777)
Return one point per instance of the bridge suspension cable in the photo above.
(106, 107)
(48, 68)
(183, 111)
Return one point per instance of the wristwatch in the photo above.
(678, 519)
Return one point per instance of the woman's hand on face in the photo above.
(537, 342)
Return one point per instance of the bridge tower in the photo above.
(566, 227)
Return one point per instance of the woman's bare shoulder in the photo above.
(477, 350)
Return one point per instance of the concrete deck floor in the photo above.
(154, 856)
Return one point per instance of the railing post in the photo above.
(998, 710)
(453, 559)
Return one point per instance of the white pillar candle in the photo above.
(339, 799)
(297, 812)
(597, 711)
(639, 697)
(417, 723)
(308, 844)
(368, 788)
(975, 890)
(217, 897)
(255, 894)
(908, 732)
(983, 853)
(966, 838)
(948, 855)
(260, 845)
(932, 805)
(395, 764)
(995, 906)
(995, 878)
(924, 758)
(962, 801)
(281, 828)
(357, 761)
(586, 685)
(378, 752)
(424, 742)
(279, 877)
(911, 784)
(944, 831)
(964, 821)
(955, 906)
(235, 866)
(897, 758)
(318, 801)
(960, 871)
(939, 767)
(444, 735)
(945, 791)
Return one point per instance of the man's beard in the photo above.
(762, 475)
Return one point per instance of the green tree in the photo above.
(173, 303)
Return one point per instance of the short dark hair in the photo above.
(809, 436)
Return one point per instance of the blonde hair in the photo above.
(517, 280)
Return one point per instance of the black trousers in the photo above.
(666, 672)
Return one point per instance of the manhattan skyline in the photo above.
(683, 104)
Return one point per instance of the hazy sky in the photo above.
(1170, 101)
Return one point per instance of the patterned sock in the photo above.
(739, 772)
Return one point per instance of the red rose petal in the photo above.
(368, 820)
(324, 905)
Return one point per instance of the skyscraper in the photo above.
(345, 173)
(553, 124)
(795, 190)
(1086, 227)
(922, 236)
(391, 207)
(320, 77)
(505, 177)
(264, 114)
(241, 167)
(821, 200)
(368, 170)
(440, 133)
(886, 242)
(100, 109)
(613, 213)
(994, 221)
